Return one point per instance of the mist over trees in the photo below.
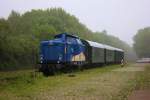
(142, 42)
(21, 34)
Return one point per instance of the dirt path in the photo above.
(140, 95)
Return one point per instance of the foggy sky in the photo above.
(121, 18)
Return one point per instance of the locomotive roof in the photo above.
(67, 34)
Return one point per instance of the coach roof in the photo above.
(117, 49)
(95, 44)
(109, 47)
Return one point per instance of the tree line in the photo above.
(20, 35)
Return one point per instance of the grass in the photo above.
(98, 83)
(26, 82)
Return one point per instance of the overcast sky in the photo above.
(121, 18)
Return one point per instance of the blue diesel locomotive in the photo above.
(68, 51)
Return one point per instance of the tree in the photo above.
(141, 42)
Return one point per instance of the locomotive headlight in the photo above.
(41, 57)
(60, 57)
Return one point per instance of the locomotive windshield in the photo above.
(79, 41)
(71, 40)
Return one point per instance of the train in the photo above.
(68, 51)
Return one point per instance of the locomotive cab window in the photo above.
(79, 41)
(71, 40)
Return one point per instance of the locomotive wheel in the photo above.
(49, 70)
